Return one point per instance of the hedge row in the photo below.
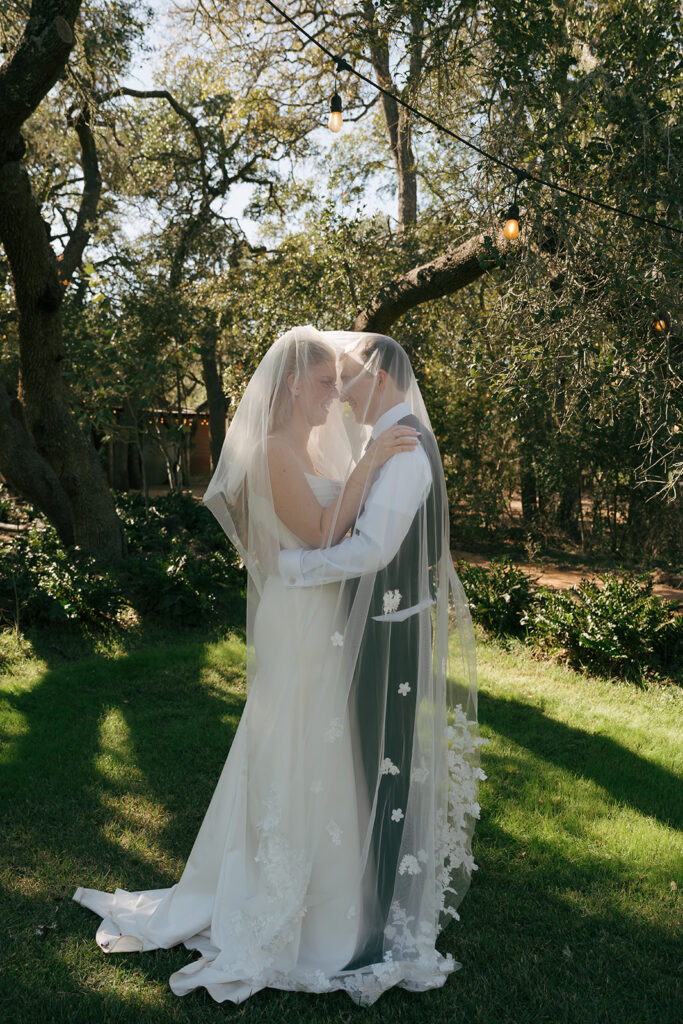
(180, 567)
(614, 628)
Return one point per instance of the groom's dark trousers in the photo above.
(388, 657)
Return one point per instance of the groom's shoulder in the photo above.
(411, 421)
(423, 453)
(426, 436)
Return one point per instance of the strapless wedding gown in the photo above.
(269, 894)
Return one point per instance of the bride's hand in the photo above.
(399, 438)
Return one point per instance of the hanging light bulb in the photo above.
(336, 120)
(661, 324)
(511, 228)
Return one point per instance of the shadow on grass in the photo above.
(532, 948)
(629, 778)
(178, 741)
(544, 937)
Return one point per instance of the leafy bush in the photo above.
(179, 566)
(498, 597)
(40, 582)
(6, 505)
(618, 628)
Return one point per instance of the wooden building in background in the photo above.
(122, 459)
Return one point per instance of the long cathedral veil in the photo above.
(393, 658)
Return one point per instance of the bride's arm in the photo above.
(296, 504)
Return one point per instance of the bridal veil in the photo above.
(388, 649)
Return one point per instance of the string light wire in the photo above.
(342, 65)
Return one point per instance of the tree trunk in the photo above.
(27, 473)
(33, 67)
(49, 419)
(528, 487)
(396, 117)
(530, 433)
(218, 403)
(570, 500)
(87, 517)
(130, 439)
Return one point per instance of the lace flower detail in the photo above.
(409, 864)
(396, 814)
(284, 873)
(413, 939)
(388, 957)
(404, 689)
(334, 731)
(388, 767)
(419, 774)
(335, 833)
(351, 912)
(391, 601)
(452, 850)
(337, 639)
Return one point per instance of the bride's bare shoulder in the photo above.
(277, 448)
(281, 456)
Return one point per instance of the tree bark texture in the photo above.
(28, 473)
(442, 276)
(396, 117)
(64, 476)
(218, 403)
(49, 419)
(33, 68)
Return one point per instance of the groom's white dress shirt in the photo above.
(400, 487)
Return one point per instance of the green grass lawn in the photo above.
(109, 762)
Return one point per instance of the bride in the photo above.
(278, 888)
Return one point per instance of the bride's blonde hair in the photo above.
(299, 356)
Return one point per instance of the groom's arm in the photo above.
(401, 486)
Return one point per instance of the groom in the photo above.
(401, 518)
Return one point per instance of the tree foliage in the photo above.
(538, 358)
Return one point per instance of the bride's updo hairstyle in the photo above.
(298, 356)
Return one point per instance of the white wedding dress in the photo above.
(269, 894)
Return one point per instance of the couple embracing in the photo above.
(337, 843)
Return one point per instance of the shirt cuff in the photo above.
(289, 563)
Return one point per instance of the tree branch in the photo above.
(164, 94)
(443, 276)
(33, 68)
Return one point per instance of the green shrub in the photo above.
(618, 628)
(498, 597)
(179, 566)
(40, 582)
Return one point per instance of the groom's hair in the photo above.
(387, 354)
